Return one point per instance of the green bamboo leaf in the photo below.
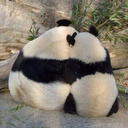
(122, 101)
(11, 124)
(19, 106)
(120, 11)
(33, 22)
(122, 89)
(30, 38)
(76, 7)
(11, 110)
(37, 31)
(83, 20)
(16, 117)
(113, 16)
(108, 29)
(126, 17)
(113, 19)
(43, 11)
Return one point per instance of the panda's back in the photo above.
(38, 82)
(94, 94)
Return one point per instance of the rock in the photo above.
(28, 117)
(121, 77)
(4, 55)
(118, 54)
(17, 15)
(5, 67)
(16, 20)
(121, 71)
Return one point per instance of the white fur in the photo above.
(94, 94)
(44, 96)
(50, 45)
(87, 48)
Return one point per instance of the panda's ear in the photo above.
(93, 31)
(63, 22)
(74, 34)
(71, 39)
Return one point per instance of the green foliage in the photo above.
(79, 16)
(11, 124)
(110, 18)
(34, 31)
(16, 117)
(17, 108)
(12, 110)
(122, 89)
(123, 102)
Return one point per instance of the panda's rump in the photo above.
(40, 95)
(94, 94)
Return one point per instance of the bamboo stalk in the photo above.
(122, 89)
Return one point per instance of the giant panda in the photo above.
(93, 88)
(36, 76)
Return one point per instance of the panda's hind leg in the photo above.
(70, 105)
(114, 108)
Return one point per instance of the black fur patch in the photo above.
(74, 34)
(70, 105)
(93, 31)
(114, 108)
(47, 70)
(70, 40)
(77, 69)
(17, 64)
(63, 22)
(39, 70)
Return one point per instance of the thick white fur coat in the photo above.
(50, 45)
(94, 94)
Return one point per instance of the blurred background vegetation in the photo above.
(109, 17)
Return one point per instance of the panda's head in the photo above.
(87, 47)
(52, 44)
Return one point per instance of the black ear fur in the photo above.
(93, 31)
(71, 39)
(63, 22)
(74, 34)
